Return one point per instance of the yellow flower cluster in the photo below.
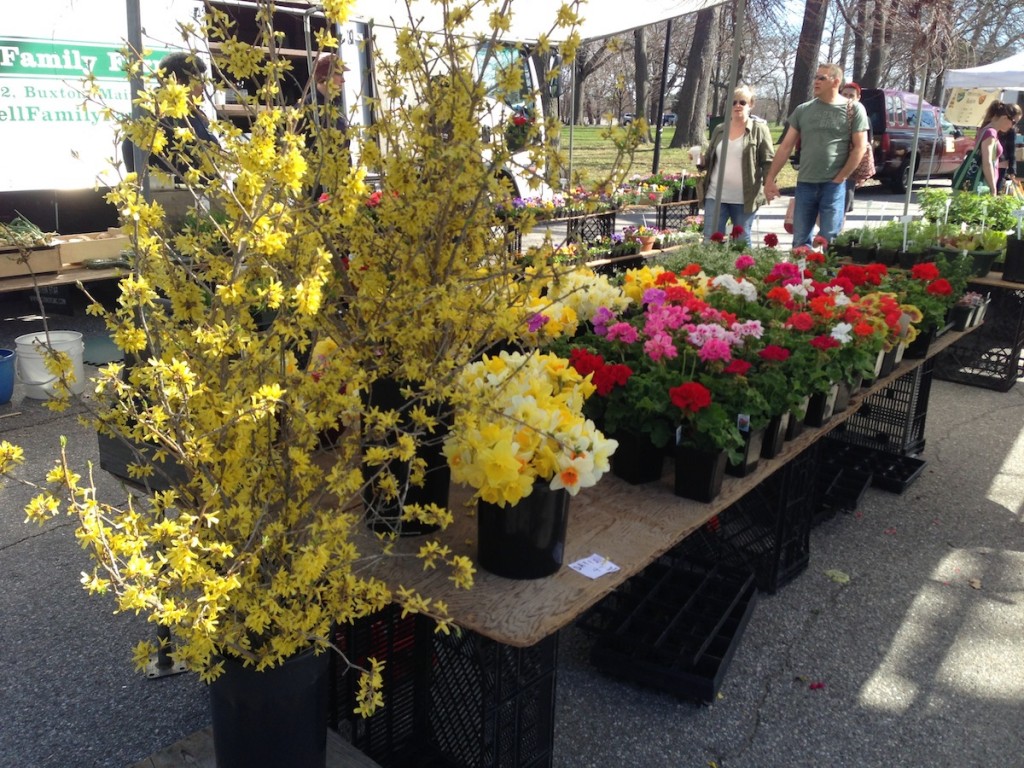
(522, 421)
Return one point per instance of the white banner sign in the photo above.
(52, 138)
(967, 105)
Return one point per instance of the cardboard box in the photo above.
(42, 260)
(74, 249)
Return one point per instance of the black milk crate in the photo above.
(842, 481)
(450, 700)
(769, 529)
(893, 420)
(896, 473)
(589, 228)
(675, 626)
(673, 215)
(990, 357)
(511, 237)
(889, 471)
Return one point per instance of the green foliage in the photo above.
(975, 210)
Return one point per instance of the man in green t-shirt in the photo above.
(832, 132)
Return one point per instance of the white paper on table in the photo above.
(594, 566)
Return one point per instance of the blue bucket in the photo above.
(6, 375)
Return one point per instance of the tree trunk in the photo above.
(858, 43)
(692, 100)
(640, 67)
(878, 53)
(807, 52)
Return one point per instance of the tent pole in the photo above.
(133, 18)
(661, 98)
(572, 116)
(737, 41)
(913, 147)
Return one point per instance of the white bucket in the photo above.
(30, 362)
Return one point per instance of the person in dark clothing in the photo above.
(326, 93)
(328, 116)
(1008, 140)
(851, 91)
(179, 156)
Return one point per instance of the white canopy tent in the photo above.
(1007, 74)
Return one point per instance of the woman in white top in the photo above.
(748, 158)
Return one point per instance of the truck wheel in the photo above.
(904, 181)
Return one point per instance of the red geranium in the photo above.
(585, 362)
(779, 294)
(854, 273)
(611, 376)
(737, 232)
(739, 367)
(771, 240)
(924, 271)
(774, 353)
(666, 278)
(718, 237)
(691, 269)
(940, 287)
(802, 321)
(677, 294)
(824, 342)
(691, 396)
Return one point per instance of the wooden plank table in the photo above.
(631, 525)
(64, 277)
(453, 696)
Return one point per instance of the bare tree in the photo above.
(589, 59)
(640, 76)
(691, 103)
(807, 51)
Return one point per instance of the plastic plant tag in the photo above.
(595, 566)
(743, 422)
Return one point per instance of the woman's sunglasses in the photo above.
(741, 102)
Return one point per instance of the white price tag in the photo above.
(595, 566)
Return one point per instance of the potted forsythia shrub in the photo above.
(251, 559)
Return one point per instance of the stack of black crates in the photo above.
(455, 699)
(676, 625)
(990, 357)
(879, 443)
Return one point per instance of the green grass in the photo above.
(593, 156)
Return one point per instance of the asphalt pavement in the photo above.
(915, 658)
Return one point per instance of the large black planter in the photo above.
(384, 515)
(273, 719)
(753, 439)
(699, 474)
(637, 460)
(524, 540)
(862, 254)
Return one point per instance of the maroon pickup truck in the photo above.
(893, 115)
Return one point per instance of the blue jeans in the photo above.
(732, 212)
(825, 202)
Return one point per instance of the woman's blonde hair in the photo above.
(744, 92)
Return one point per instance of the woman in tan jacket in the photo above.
(748, 158)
